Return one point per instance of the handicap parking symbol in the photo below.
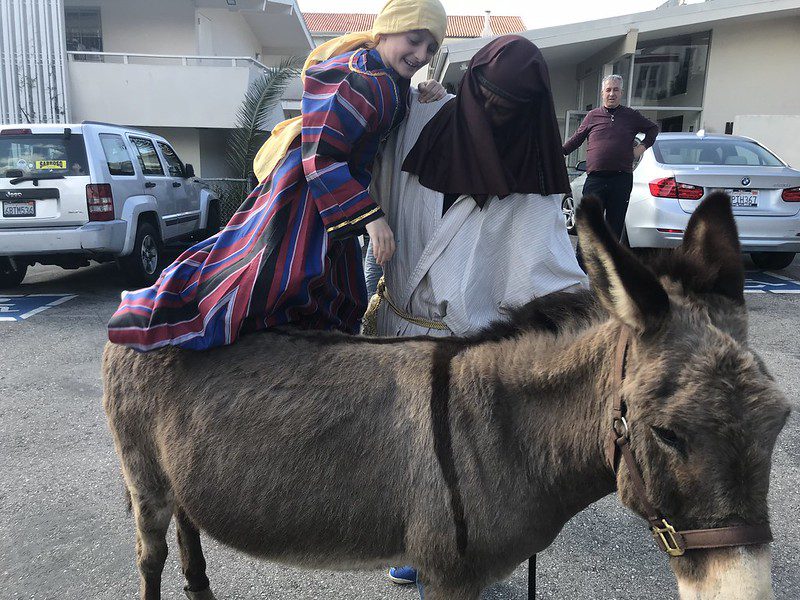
(762, 282)
(21, 307)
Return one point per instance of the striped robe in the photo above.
(290, 253)
(466, 267)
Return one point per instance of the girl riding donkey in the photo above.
(290, 253)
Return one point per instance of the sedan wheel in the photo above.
(568, 210)
(772, 260)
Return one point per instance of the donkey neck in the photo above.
(558, 389)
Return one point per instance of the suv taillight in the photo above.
(100, 202)
(791, 194)
(667, 187)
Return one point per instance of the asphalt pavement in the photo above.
(65, 533)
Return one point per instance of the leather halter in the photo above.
(674, 543)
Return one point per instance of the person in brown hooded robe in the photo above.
(472, 188)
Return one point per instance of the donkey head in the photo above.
(702, 411)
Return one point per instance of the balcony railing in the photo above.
(161, 90)
(184, 60)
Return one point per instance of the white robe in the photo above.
(466, 267)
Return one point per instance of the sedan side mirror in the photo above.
(581, 166)
(188, 171)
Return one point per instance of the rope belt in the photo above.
(382, 294)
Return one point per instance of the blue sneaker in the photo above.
(421, 590)
(402, 575)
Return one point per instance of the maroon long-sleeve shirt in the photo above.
(611, 135)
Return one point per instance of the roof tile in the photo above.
(466, 26)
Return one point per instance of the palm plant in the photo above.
(263, 95)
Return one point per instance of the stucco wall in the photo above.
(185, 141)
(565, 89)
(157, 95)
(231, 36)
(779, 133)
(146, 26)
(213, 149)
(753, 69)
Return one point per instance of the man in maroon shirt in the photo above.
(611, 129)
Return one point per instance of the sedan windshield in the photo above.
(710, 151)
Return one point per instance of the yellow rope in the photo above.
(371, 315)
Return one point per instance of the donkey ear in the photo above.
(712, 243)
(628, 290)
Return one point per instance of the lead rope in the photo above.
(381, 295)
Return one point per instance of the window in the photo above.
(117, 156)
(43, 153)
(174, 164)
(713, 152)
(148, 159)
(83, 29)
(671, 71)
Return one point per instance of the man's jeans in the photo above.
(614, 190)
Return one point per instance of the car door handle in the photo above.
(176, 184)
(149, 184)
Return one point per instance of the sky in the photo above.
(535, 14)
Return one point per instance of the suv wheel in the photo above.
(143, 266)
(568, 209)
(214, 221)
(772, 260)
(11, 274)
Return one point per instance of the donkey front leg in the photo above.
(193, 563)
(152, 515)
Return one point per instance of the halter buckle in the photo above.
(668, 538)
(620, 427)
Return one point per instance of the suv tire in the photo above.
(772, 260)
(10, 275)
(214, 221)
(143, 266)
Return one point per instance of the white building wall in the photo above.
(157, 95)
(33, 85)
(146, 26)
(230, 34)
(565, 90)
(185, 141)
(779, 133)
(753, 69)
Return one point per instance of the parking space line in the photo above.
(25, 306)
(766, 282)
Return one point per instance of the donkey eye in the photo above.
(670, 438)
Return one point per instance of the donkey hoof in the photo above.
(206, 594)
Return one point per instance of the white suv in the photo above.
(71, 193)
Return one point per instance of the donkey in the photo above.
(464, 456)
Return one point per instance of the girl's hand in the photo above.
(431, 91)
(382, 238)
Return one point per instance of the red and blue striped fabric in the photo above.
(289, 255)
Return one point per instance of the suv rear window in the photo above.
(713, 152)
(117, 157)
(42, 153)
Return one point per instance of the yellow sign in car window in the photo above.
(51, 164)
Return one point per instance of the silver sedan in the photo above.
(674, 176)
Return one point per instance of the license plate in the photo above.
(19, 209)
(743, 197)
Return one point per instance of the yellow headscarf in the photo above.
(397, 16)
